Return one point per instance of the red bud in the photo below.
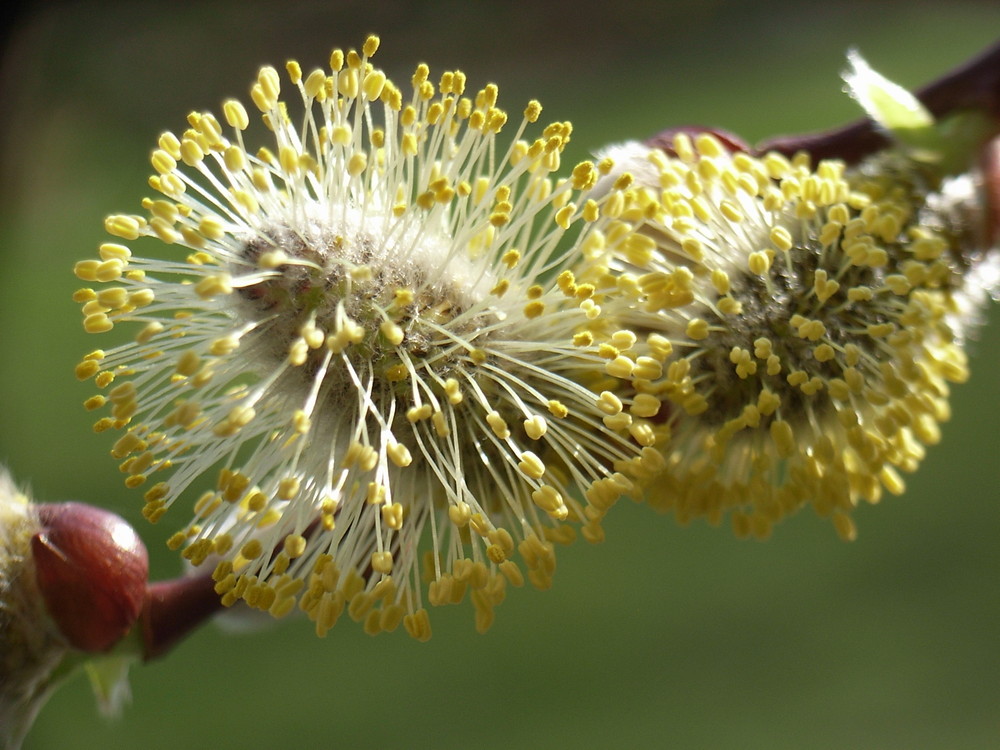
(91, 568)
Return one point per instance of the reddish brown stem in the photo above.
(989, 168)
(173, 609)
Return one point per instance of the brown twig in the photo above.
(173, 609)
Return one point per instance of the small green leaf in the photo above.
(940, 148)
(894, 108)
(109, 679)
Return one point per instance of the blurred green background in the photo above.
(660, 637)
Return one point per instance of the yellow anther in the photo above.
(823, 353)
(498, 425)
(392, 515)
(531, 465)
(453, 391)
(418, 625)
(759, 263)
(97, 323)
(607, 351)
(212, 286)
(783, 437)
(557, 409)
(624, 339)
(392, 332)
(708, 145)
(534, 309)
(357, 163)
(620, 367)
(109, 270)
(609, 403)
(511, 258)
(399, 454)
(781, 238)
(697, 329)
(294, 545)
(548, 499)
(288, 488)
(720, 280)
(645, 405)
(535, 427)
(382, 562)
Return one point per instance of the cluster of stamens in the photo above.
(805, 314)
(379, 348)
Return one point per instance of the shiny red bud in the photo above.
(91, 568)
